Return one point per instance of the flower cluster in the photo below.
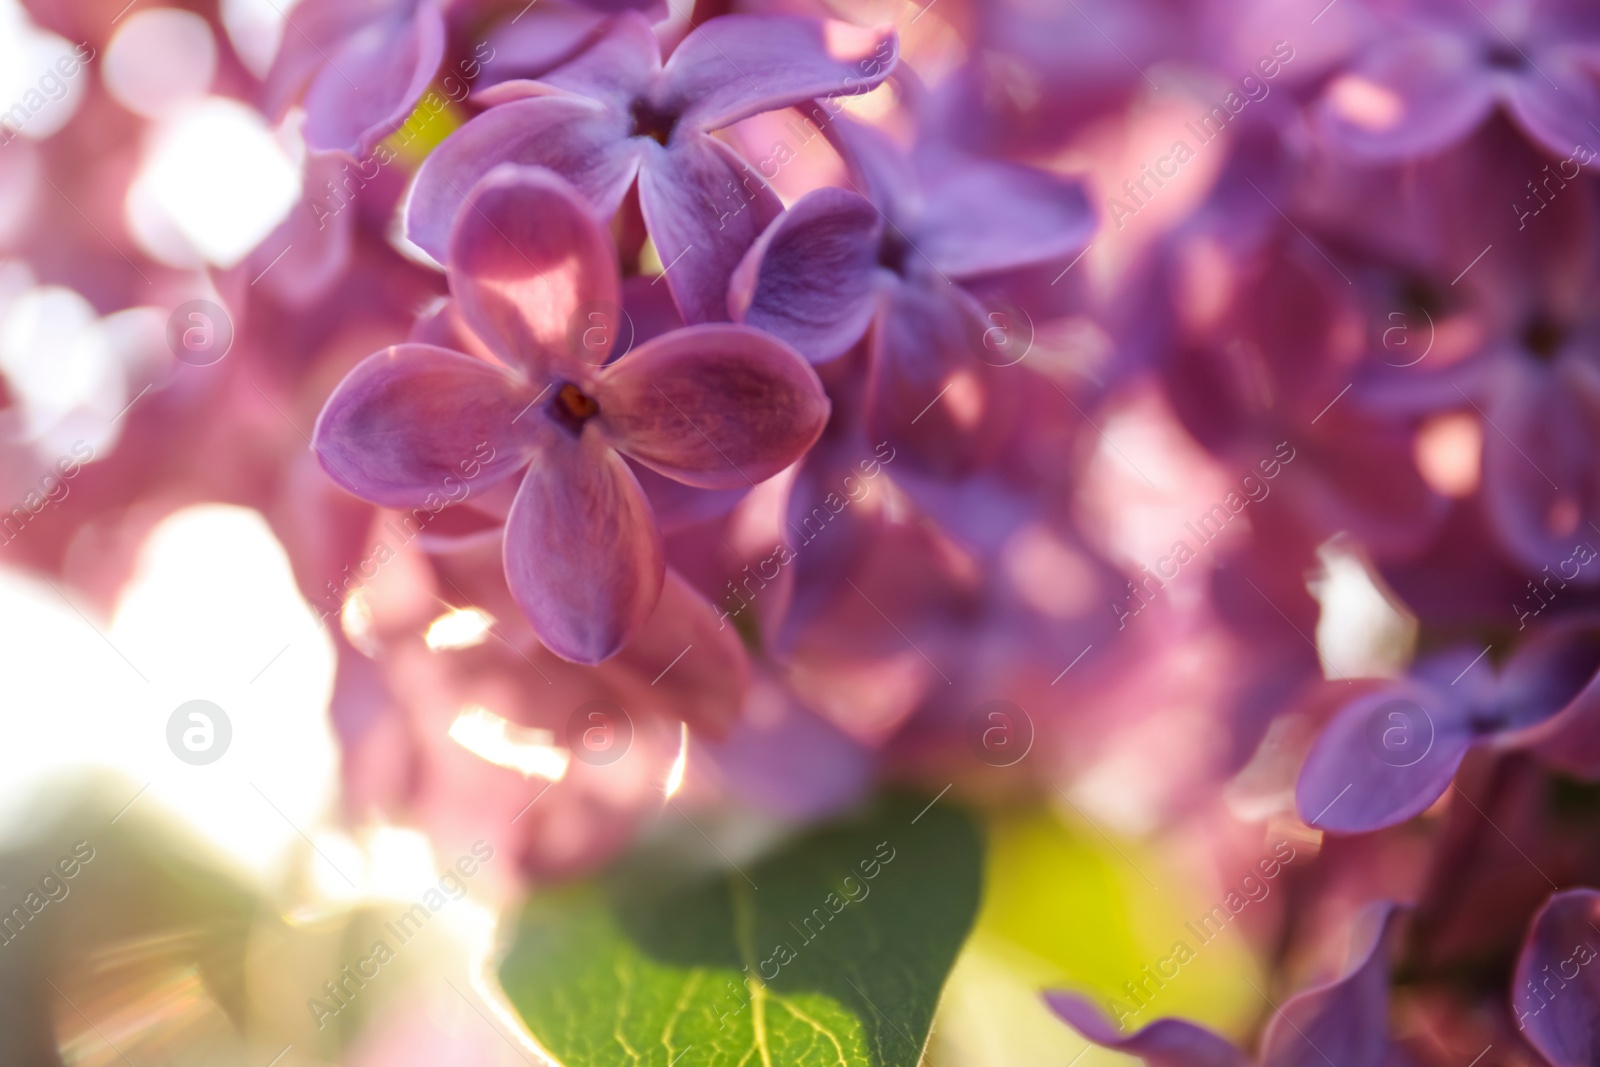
(751, 398)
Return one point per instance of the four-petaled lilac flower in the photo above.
(838, 262)
(1556, 992)
(1344, 1022)
(715, 406)
(617, 112)
(1388, 755)
(1431, 74)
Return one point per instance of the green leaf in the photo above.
(830, 952)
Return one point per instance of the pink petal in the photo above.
(704, 207)
(525, 256)
(583, 141)
(414, 424)
(812, 277)
(370, 86)
(684, 664)
(302, 260)
(583, 556)
(741, 65)
(714, 406)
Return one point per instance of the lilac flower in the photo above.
(838, 262)
(358, 68)
(1509, 342)
(1386, 756)
(617, 112)
(1431, 74)
(1343, 1022)
(714, 406)
(1556, 991)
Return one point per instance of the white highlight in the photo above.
(680, 763)
(214, 182)
(527, 750)
(158, 59)
(459, 628)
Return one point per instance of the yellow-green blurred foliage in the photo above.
(1063, 909)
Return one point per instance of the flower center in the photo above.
(571, 408)
(1503, 55)
(652, 123)
(893, 251)
(1543, 337)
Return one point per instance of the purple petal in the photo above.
(704, 207)
(1558, 103)
(583, 556)
(832, 472)
(1163, 1043)
(583, 141)
(736, 66)
(787, 760)
(320, 28)
(812, 277)
(408, 424)
(532, 47)
(1556, 992)
(885, 171)
(714, 406)
(1411, 97)
(525, 256)
(1344, 1022)
(928, 391)
(1549, 672)
(369, 86)
(1552, 681)
(618, 68)
(1384, 758)
(1539, 479)
(985, 217)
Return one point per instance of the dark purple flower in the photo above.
(617, 112)
(1556, 991)
(1429, 75)
(1343, 1022)
(714, 406)
(837, 262)
(1388, 755)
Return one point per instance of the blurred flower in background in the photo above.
(1042, 530)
